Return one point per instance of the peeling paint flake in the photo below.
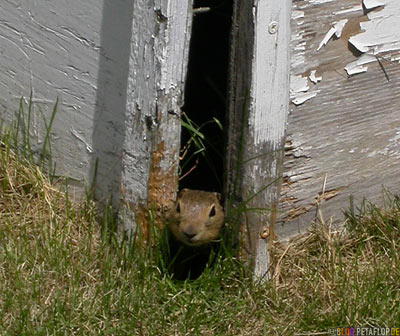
(298, 90)
(313, 78)
(358, 66)
(369, 4)
(395, 58)
(298, 84)
(381, 34)
(336, 29)
(349, 10)
(382, 31)
(76, 134)
(303, 97)
(296, 14)
(318, 2)
(270, 61)
(395, 46)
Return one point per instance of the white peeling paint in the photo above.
(170, 67)
(298, 150)
(392, 148)
(373, 153)
(303, 97)
(298, 90)
(358, 66)
(298, 84)
(313, 78)
(339, 27)
(353, 150)
(299, 46)
(326, 38)
(336, 29)
(318, 2)
(297, 14)
(79, 136)
(382, 31)
(369, 4)
(395, 58)
(349, 10)
(395, 46)
(298, 43)
(271, 61)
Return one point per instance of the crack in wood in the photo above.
(295, 212)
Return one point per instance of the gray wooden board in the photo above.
(257, 119)
(349, 133)
(157, 68)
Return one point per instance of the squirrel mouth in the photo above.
(190, 238)
(192, 241)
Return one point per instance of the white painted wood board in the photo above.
(348, 132)
(118, 69)
(257, 121)
(157, 70)
(77, 52)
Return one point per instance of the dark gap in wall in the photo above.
(206, 94)
(205, 102)
(188, 263)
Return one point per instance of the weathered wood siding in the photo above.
(79, 52)
(348, 134)
(118, 68)
(257, 120)
(158, 62)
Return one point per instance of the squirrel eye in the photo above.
(178, 207)
(212, 211)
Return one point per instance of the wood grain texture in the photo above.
(46, 48)
(349, 132)
(257, 120)
(79, 53)
(150, 160)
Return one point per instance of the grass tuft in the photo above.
(62, 272)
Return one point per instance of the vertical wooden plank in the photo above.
(257, 120)
(158, 61)
(345, 140)
(54, 48)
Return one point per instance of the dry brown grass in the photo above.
(43, 238)
(347, 273)
(33, 204)
(59, 276)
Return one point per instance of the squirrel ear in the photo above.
(218, 195)
(180, 193)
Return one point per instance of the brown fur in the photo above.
(196, 218)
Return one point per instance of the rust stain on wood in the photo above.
(160, 196)
(142, 220)
(161, 190)
(269, 231)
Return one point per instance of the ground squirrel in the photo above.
(196, 218)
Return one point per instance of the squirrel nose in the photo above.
(189, 232)
(189, 235)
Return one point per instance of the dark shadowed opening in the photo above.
(202, 166)
(206, 95)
